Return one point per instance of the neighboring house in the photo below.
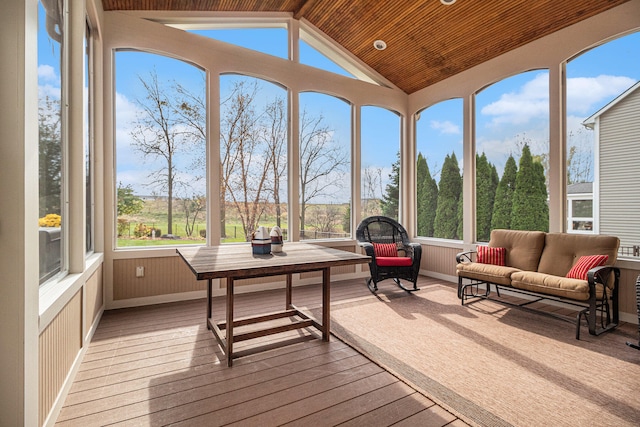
(616, 195)
(580, 217)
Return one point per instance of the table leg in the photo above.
(289, 286)
(229, 325)
(326, 303)
(208, 304)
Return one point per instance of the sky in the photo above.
(508, 112)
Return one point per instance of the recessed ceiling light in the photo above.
(447, 2)
(380, 44)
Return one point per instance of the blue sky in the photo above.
(509, 111)
(516, 109)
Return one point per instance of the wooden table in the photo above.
(234, 262)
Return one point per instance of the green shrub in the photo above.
(141, 230)
(123, 227)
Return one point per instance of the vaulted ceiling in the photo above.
(427, 41)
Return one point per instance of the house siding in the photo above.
(619, 150)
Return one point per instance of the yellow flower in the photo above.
(50, 220)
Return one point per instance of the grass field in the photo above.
(154, 216)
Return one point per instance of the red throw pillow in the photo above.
(586, 263)
(385, 249)
(489, 255)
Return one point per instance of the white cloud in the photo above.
(46, 73)
(528, 102)
(586, 94)
(445, 127)
(126, 110)
(48, 82)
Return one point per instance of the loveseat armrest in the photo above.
(465, 256)
(601, 274)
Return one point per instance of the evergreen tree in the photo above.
(486, 184)
(449, 193)
(346, 220)
(503, 203)
(530, 209)
(460, 216)
(391, 198)
(49, 157)
(427, 197)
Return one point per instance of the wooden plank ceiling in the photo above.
(426, 40)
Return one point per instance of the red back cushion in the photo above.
(489, 255)
(586, 263)
(385, 249)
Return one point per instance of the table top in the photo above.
(239, 262)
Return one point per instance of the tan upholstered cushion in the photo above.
(562, 250)
(523, 247)
(487, 272)
(553, 285)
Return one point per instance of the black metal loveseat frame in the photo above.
(591, 309)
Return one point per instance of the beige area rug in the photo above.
(496, 365)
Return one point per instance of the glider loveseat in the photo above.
(572, 268)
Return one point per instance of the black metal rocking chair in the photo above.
(393, 256)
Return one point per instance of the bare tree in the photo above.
(275, 137)
(580, 156)
(322, 161)
(192, 108)
(244, 160)
(161, 132)
(192, 207)
(372, 192)
(325, 218)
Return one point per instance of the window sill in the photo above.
(55, 294)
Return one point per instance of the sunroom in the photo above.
(143, 128)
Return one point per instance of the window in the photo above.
(325, 167)
(88, 140)
(380, 179)
(512, 146)
(439, 170)
(603, 121)
(51, 31)
(160, 151)
(272, 41)
(313, 57)
(253, 157)
(580, 215)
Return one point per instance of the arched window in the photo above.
(512, 152)
(51, 124)
(160, 151)
(603, 124)
(325, 166)
(380, 162)
(253, 157)
(439, 170)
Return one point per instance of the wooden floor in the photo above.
(159, 365)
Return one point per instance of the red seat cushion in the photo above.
(394, 261)
(586, 263)
(385, 249)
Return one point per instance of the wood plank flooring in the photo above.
(159, 365)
